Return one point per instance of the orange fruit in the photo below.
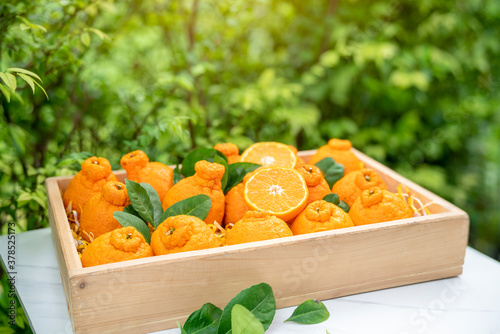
(236, 207)
(95, 172)
(376, 205)
(299, 162)
(270, 154)
(206, 180)
(181, 234)
(122, 244)
(257, 226)
(97, 216)
(231, 151)
(320, 216)
(140, 169)
(352, 184)
(340, 151)
(278, 191)
(316, 183)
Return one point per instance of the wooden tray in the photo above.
(152, 294)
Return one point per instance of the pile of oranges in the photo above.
(283, 197)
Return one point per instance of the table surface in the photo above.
(469, 303)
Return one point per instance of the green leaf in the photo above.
(24, 198)
(236, 173)
(344, 206)
(29, 25)
(74, 160)
(223, 162)
(332, 198)
(310, 312)
(244, 322)
(258, 299)
(28, 80)
(13, 81)
(7, 330)
(196, 155)
(130, 209)
(85, 39)
(103, 36)
(139, 198)
(177, 174)
(22, 70)
(203, 321)
(126, 219)
(180, 327)
(332, 171)
(5, 92)
(197, 206)
(154, 199)
(43, 90)
(5, 79)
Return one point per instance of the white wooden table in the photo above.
(469, 303)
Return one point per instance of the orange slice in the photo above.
(270, 154)
(280, 191)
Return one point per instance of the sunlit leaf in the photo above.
(28, 80)
(22, 70)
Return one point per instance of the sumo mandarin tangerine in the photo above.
(140, 169)
(206, 180)
(352, 184)
(181, 234)
(257, 226)
(376, 205)
(122, 244)
(230, 150)
(316, 183)
(95, 172)
(340, 151)
(320, 216)
(97, 216)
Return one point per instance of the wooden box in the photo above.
(152, 294)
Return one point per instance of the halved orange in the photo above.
(270, 154)
(279, 191)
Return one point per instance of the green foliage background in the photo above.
(414, 84)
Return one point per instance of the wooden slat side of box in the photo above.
(327, 266)
(60, 239)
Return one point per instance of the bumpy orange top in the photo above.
(182, 233)
(95, 172)
(97, 217)
(340, 151)
(351, 185)
(376, 205)
(230, 150)
(316, 183)
(122, 244)
(257, 226)
(320, 216)
(206, 180)
(140, 169)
